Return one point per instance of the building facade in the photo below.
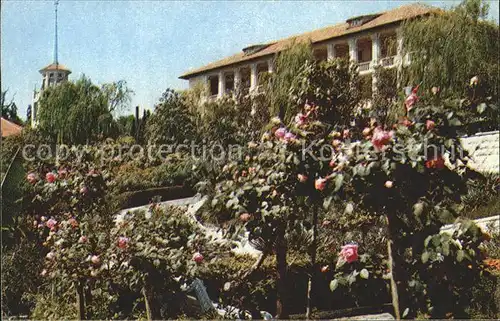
(369, 41)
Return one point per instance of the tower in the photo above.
(52, 74)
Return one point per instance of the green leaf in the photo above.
(405, 312)
(460, 255)
(455, 122)
(481, 108)
(334, 284)
(339, 179)
(327, 201)
(425, 257)
(364, 274)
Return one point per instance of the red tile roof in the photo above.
(342, 29)
(9, 128)
(54, 66)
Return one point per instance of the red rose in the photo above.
(50, 177)
(197, 257)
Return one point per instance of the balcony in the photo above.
(388, 61)
(364, 67)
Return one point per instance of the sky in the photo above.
(150, 43)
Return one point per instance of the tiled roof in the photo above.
(54, 66)
(9, 128)
(338, 30)
(484, 149)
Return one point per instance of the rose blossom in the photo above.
(410, 101)
(95, 259)
(197, 257)
(388, 184)
(50, 255)
(289, 137)
(280, 132)
(300, 119)
(320, 184)
(437, 162)
(302, 178)
(31, 178)
(51, 223)
(325, 269)
(380, 138)
(123, 242)
(62, 172)
(50, 177)
(73, 222)
(349, 252)
(429, 124)
(346, 133)
(336, 143)
(245, 217)
(83, 239)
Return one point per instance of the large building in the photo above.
(52, 75)
(369, 40)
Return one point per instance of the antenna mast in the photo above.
(56, 61)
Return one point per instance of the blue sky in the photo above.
(150, 43)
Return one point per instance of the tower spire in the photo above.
(56, 61)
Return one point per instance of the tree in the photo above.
(171, 121)
(81, 112)
(9, 109)
(117, 94)
(288, 65)
(447, 48)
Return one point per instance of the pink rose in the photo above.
(123, 242)
(197, 257)
(336, 143)
(51, 223)
(83, 239)
(84, 190)
(280, 132)
(50, 177)
(95, 259)
(429, 124)
(31, 178)
(302, 178)
(380, 138)
(245, 217)
(62, 173)
(388, 184)
(73, 222)
(289, 137)
(410, 101)
(320, 184)
(346, 133)
(300, 119)
(349, 252)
